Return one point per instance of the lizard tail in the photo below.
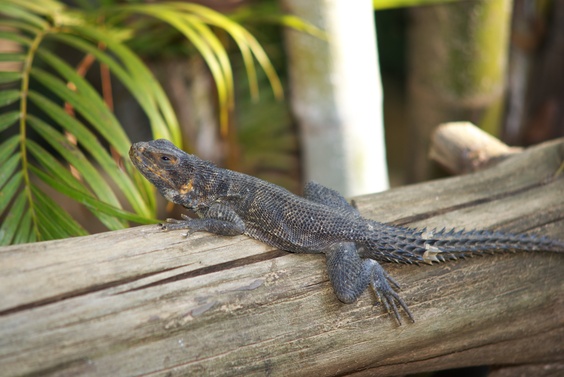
(407, 245)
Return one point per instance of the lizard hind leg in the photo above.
(324, 195)
(347, 272)
(350, 276)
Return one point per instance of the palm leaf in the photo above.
(28, 212)
(134, 75)
(81, 167)
(247, 44)
(194, 22)
(388, 4)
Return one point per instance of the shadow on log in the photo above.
(140, 301)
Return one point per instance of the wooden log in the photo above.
(461, 147)
(140, 301)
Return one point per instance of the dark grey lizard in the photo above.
(230, 203)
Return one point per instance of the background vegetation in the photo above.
(60, 132)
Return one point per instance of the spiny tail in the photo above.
(407, 245)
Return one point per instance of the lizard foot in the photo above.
(386, 294)
(211, 225)
(175, 224)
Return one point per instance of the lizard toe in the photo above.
(386, 294)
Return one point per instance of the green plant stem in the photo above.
(23, 118)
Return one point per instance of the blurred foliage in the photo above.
(55, 126)
(387, 4)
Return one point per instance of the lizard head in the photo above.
(179, 176)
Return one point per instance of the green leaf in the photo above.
(388, 4)
(187, 28)
(43, 7)
(217, 19)
(90, 143)
(47, 210)
(28, 213)
(6, 77)
(14, 11)
(216, 48)
(24, 233)
(63, 181)
(8, 119)
(75, 158)
(8, 97)
(11, 222)
(246, 43)
(9, 190)
(265, 64)
(9, 167)
(12, 57)
(54, 168)
(20, 26)
(135, 76)
(299, 24)
(7, 148)
(88, 103)
(14, 37)
(93, 203)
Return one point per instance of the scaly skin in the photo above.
(230, 203)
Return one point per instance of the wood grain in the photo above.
(461, 147)
(140, 301)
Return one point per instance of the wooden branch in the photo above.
(461, 147)
(140, 301)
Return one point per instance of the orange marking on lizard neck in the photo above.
(186, 188)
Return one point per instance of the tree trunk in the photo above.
(544, 116)
(336, 95)
(457, 64)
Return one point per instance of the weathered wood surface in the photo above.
(140, 301)
(461, 147)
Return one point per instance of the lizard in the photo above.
(321, 221)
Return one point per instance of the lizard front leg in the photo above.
(217, 219)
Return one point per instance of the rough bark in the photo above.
(140, 301)
(457, 62)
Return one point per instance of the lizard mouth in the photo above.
(144, 161)
(139, 159)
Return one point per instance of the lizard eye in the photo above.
(165, 158)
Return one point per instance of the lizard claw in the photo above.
(386, 295)
(174, 224)
(188, 233)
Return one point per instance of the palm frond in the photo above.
(74, 128)
(194, 22)
(31, 99)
